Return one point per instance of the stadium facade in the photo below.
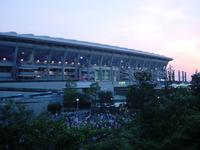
(25, 57)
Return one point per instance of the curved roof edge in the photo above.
(80, 43)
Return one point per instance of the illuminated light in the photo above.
(59, 62)
(21, 60)
(122, 66)
(52, 62)
(4, 59)
(22, 53)
(81, 57)
(95, 64)
(122, 61)
(78, 63)
(51, 72)
(72, 63)
(66, 62)
(45, 61)
(129, 67)
(122, 83)
(38, 61)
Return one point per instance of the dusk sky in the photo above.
(166, 27)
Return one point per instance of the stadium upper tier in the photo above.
(68, 42)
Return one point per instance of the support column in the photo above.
(111, 70)
(48, 64)
(89, 66)
(173, 75)
(63, 65)
(185, 77)
(179, 76)
(32, 56)
(77, 68)
(183, 74)
(137, 62)
(149, 66)
(101, 73)
(15, 63)
(129, 69)
(143, 64)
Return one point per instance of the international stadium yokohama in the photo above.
(26, 58)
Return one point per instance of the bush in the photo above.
(54, 107)
(105, 97)
(70, 96)
(196, 84)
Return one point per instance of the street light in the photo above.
(77, 104)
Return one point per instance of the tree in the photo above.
(105, 97)
(12, 113)
(13, 125)
(92, 93)
(21, 131)
(196, 84)
(54, 107)
(70, 84)
(142, 93)
(70, 94)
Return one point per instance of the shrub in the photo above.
(54, 107)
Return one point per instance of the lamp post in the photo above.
(77, 104)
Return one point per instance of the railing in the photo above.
(6, 63)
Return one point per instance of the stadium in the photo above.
(25, 57)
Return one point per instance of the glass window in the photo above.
(41, 56)
(95, 60)
(57, 57)
(84, 59)
(25, 55)
(106, 60)
(71, 58)
(6, 53)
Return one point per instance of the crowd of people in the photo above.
(96, 120)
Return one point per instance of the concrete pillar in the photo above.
(129, 69)
(111, 69)
(89, 66)
(32, 56)
(101, 72)
(143, 65)
(136, 64)
(185, 77)
(15, 63)
(48, 64)
(183, 74)
(173, 75)
(77, 67)
(63, 65)
(179, 76)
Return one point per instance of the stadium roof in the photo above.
(69, 42)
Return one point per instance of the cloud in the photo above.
(164, 13)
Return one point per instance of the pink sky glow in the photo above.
(166, 27)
